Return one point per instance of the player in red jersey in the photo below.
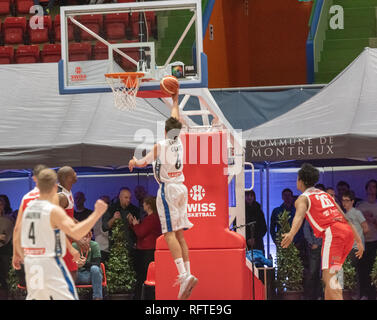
(329, 223)
(67, 178)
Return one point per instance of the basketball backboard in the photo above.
(155, 37)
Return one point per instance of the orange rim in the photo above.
(124, 76)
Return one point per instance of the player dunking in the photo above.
(43, 240)
(329, 223)
(167, 156)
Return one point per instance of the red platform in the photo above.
(217, 255)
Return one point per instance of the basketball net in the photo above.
(125, 87)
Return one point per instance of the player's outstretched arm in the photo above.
(59, 219)
(148, 159)
(175, 110)
(301, 205)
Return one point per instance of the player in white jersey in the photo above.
(26, 200)
(167, 158)
(43, 240)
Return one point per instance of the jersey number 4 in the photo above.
(32, 232)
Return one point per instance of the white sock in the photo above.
(180, 266)
(187, 267)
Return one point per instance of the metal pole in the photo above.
(268, 207)
(102, 40)
(180, 40)
(141, 37)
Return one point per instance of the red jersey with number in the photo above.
(322, 211)
(30, 196)
(68, 258)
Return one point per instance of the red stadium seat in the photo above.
(5, 7)
(150, 282)
(51, 53)
(100, 51)
(57, 29)
(115, 25)
(93, 22)
(23, 6)
(27, 54)
(80, 51)
(14, 29)
(6, 55)
(41, 35)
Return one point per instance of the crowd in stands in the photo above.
(362, 213)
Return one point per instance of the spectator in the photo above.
(106, 198)
(254, 213)
(288, 204)
(6, 249)
(47, 9)
(7, 208)
(81, 213)
(101, 237)
(369, 209)
(357, 219)
(140, 194)
(331, 192)
(312, 280)
(341, 187)
(357, 200)
(89, 271)
(147, 233)
(119, 210)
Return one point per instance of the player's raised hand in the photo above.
(100, 206)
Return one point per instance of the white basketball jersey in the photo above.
(168, 167)
(71, 204)
(38, 238)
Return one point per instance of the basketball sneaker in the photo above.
(187, 282)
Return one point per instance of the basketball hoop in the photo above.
(125, 86)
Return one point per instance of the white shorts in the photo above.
(172, 207)
(48, 279)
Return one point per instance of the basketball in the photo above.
(169, 85)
